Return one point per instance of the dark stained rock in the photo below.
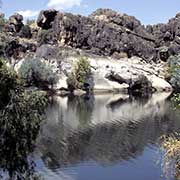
(163, 53)
(104, 37)
(104, 32)
(140, 86)
(25, 32)
(16, 21)
(46, 18)
(117, 78)
(14, 49)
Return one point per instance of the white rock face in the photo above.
(160, 84)
(127, 69)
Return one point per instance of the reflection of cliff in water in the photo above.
(107, 129)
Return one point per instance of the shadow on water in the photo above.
(106, 129)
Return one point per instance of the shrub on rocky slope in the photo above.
(80, 76)
(174, 63)
(38, 73)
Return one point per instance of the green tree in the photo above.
(9, 81)
(80, 74)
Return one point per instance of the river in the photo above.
(101, 137)
(106, 137)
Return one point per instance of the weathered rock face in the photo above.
(25, 32)
(46, 18)
(132, 75)
(106, 32)
(167, 35)
(16, 22)
(114, 33)
(47, 52)
(14, 49)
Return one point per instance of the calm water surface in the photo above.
(106, 137)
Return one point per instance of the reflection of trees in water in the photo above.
(84, 106)
(19, 127)
(109, 142)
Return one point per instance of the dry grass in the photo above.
(171, 160)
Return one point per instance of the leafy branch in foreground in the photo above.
(21, 114)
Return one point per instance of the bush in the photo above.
(29, 22)
(9, 81)
(79, 76)
(174, 71)
(21, 113)
(25, 32)
(46, 37)
(37, 73)
(176, 101)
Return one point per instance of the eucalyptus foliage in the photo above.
(38, 73)
(176, 101)
(174, 63)
(79, 75)
(21, 113)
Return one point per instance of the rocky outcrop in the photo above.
(15, 23)
(104, 32)
(93, 33)
(123, 53)
(133, 75)
(14, 49)
(46, 18)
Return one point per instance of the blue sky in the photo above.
(148, 12)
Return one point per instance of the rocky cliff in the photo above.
(104, 34)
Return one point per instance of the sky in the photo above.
(147, 11)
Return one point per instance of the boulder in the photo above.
(160, 84)
(163, 53)
(16, 22)
(14, 49)
(140, 86)
(46, 18)
(47, 52)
